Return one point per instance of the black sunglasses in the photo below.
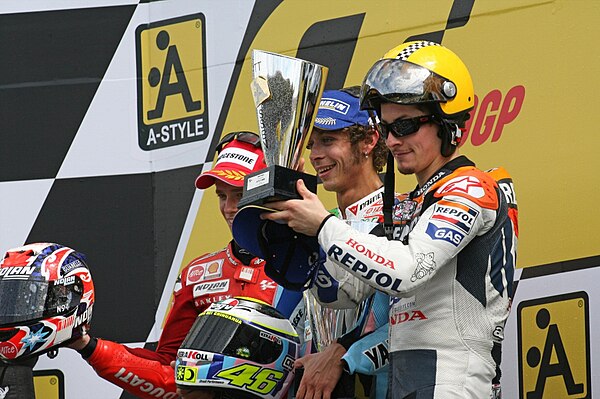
(245, 137)
(403, 127)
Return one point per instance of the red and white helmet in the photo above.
(46, 299)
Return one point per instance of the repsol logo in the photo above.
(361, 249)
(143, 386)
(402, 317)
(382, 279)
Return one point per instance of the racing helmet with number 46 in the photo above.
(46, 299)
(241, 348)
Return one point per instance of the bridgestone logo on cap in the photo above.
(239, 156)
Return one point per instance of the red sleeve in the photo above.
(144, 378)
(180, 320)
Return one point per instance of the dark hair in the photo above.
(358, 133)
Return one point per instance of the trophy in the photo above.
(328, 324)
(286, 93)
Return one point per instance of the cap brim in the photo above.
(339, 124)
(207, 179)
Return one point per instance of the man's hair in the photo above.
(358, 133)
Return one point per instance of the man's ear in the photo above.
(370, 140)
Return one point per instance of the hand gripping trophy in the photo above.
(286, 93)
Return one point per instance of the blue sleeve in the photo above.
(369, 355)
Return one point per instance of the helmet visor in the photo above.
(21, 300)
(232, 337)
(402, 82)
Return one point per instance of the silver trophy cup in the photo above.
(328, 324)
(286, 93)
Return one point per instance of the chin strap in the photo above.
(388, 198)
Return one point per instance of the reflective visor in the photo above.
(400, 82)
(21, 300)
(232, 337)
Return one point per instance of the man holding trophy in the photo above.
(347, 155)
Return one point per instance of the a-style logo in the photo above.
(554, 347)
(172, 89)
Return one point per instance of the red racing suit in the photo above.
(207, 279)
(449, 274)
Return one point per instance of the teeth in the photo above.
(321, 170)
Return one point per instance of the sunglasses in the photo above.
(403, 127)
(244, 137)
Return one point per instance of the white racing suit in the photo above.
(450, 277)
(366, 343)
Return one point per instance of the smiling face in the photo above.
(334, 158)
(229, 197)
(417, 153)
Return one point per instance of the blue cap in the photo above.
(339, 109)
(292, 259)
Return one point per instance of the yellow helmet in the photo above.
(421, 72)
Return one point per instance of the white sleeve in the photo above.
(398, 269)
(338, 289)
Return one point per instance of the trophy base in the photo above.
(274, 183)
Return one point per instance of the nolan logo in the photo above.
(172, 90)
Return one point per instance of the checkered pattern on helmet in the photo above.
(410, 49)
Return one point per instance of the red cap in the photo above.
(236, 160)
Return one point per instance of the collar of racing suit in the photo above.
(240, 253)
(366, 208)
(445, 170)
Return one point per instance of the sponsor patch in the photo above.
(445, 234)
(226, 304)
(425, 266)
(238, 156)
(267, 285)
(186, 374)
(456, 214)
(334, 105)
(211, 287)
(464, 185)
(213, 269)
(348, 260)
(16, 272)
(195, 274)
